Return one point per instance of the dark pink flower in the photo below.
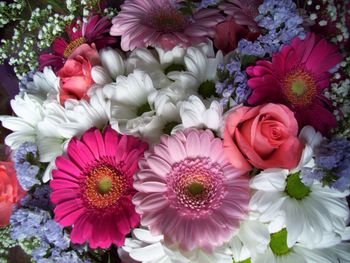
(296, 77)
(93, 187)
(95, 30)
(160, 23)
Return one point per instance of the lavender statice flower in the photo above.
(32, 224)
(37, 224)
(39, 198)
(27, 224)
(26, 79)
(206, 3)
(332, 164)
(26, 165)
(232, 83)
(282, 23)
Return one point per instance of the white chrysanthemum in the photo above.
(308, 211)
(167, 99)
(132, 109)
(29, 111)
(256, 243)
(146, 248)
(45, 84)
(148, 61)
(201, 63)
(194, 114)
(113, 66)
(63, 123)
(243, 245)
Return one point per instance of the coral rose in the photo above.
(10, 192)
(264, 137)
(75, 75)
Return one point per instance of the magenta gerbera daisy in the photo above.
(296, 77)
(143, 23)
(189, 192)
(94, 30)
(93, 187)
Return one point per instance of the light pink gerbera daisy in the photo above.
(189, 192)
(143, 23)
(93, 187)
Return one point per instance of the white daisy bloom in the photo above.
(255, 243)
(100, 75)
(201, 63)
(113, 62)
(143, 59)
(279, 252)
(132, 109)
(308, 211)
(171, 57)
(45, 84)
(194, 114)
(29, 111)
(146, 248)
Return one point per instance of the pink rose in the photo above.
(75, 75)
(10, 192)
(264, 137)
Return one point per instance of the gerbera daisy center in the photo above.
(104, 186)
(73, 45)
(299, 87)
(195, 183)
(196, 188)
(167, 19)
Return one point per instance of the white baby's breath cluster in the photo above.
(22, 48)
(54, 27)
(10, 11)
(334, 12)
(339, 93)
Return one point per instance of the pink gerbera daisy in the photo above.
(143, 23)
(93, 187)
(189, 192)
(296, 77)
(95, 30)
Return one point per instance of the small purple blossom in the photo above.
(232, 83)
(26, 160)
(39, 198)
(332, 164)
(282, 22)
(206, 3)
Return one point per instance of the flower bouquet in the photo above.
(178, 131)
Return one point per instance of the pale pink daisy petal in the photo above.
(93, 187)
(160, 23)
(196, 201)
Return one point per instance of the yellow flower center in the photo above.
(299, 87)
(73, 45)
(104, 186)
